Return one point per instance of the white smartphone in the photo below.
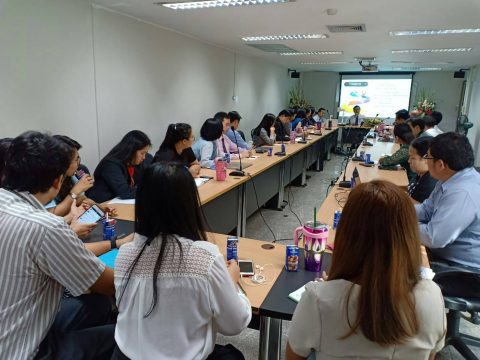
(92, 215)
(246, 268)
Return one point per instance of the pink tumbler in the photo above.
(221, 169)
(314, 241)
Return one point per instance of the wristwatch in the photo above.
(74, 196)
(113, 243)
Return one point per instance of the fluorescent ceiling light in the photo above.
(285, 37)
(433, 32)
(313, 53)
(326, 63)
(430, 50)
(205, 4)
(417, 68)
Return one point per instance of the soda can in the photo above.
(368, 158)
(227, 157)
(362, 154)
(109, 229)
(270, 151)
(232, 244)
(283, 148)
(336, 218)
(291, 258)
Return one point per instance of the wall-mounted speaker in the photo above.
(459, 74)
(295, 75)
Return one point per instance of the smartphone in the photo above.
(246, 268)
(92, 215)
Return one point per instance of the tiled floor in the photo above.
(301, 204)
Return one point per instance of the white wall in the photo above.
(62, 61)
(447, 92)
(472, 109)
(319, 88)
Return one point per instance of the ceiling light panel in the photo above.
(313, 53)
(417, 68)
(284, 37)
(208, 4)
(433, 32)
(326, 63)
(407, 51)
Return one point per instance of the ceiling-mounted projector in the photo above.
(368, 68)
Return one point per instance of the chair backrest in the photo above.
(251, 133)
(242, 135)
(460, 283)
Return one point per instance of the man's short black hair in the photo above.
(403, 132)
(418, 122)
(402, 114)
(211, 129)
(429, 121)
(437, 115)
(285, 112)
(454, 149)
(356, 106)
(321, 109)
(301, 113)
(34, 161)
(421, 144)
(234, 115)
(221, 115)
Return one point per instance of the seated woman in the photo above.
(173, 288)
(205, 148)
(177, 147)
(374, 304)
(403, 136)
(118, 173)
(298, 119)
(422, 184)
(264, 133)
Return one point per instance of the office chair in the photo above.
(461, 292)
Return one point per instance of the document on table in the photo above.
(122, 201)
(200, 181)
(297, 294)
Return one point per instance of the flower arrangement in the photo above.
(425, 102)
(297, 98)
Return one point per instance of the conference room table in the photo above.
(227, 204)
(270, 300)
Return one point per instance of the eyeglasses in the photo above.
(426, 157)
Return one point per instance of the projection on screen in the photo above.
(383, 96)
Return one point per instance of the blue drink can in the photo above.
(270, 151)
(368, 158)
(232, 244)
(291, 258)
(227, 157)
(336, 218)
(109, 229)
(283, 147)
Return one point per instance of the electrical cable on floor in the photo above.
(260, 210)
(290, 192)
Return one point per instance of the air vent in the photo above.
(274, 48)
(346, 28)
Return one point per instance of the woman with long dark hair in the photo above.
(4, 146)
(174, 291)
(119, 172)
(374, 304)
(177, 147)
(264, 133)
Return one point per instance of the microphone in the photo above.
(344, 183)
(238, 172)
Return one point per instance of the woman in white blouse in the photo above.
(174, 290)
(374, 304)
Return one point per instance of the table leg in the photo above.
(281, 187)
(242, 211)
(270, 338)
(304, 170)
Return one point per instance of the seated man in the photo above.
(320, 117)
(431, 128)
(224, 144)
(356, 119)
(401, 116)
(450, 217)
(282, 125)
(437, 115)
(236, 137)
(40, 257)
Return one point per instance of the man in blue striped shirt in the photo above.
(450, 217)
(40, 256)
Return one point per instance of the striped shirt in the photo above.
(39, 256)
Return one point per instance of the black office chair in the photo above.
(455, 284)
(242, 135)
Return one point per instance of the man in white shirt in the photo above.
(356, 119)
(320, 116)
(40, 256)
(431, 126)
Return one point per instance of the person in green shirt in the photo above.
(403, 136)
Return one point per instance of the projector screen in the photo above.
(375, 94)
